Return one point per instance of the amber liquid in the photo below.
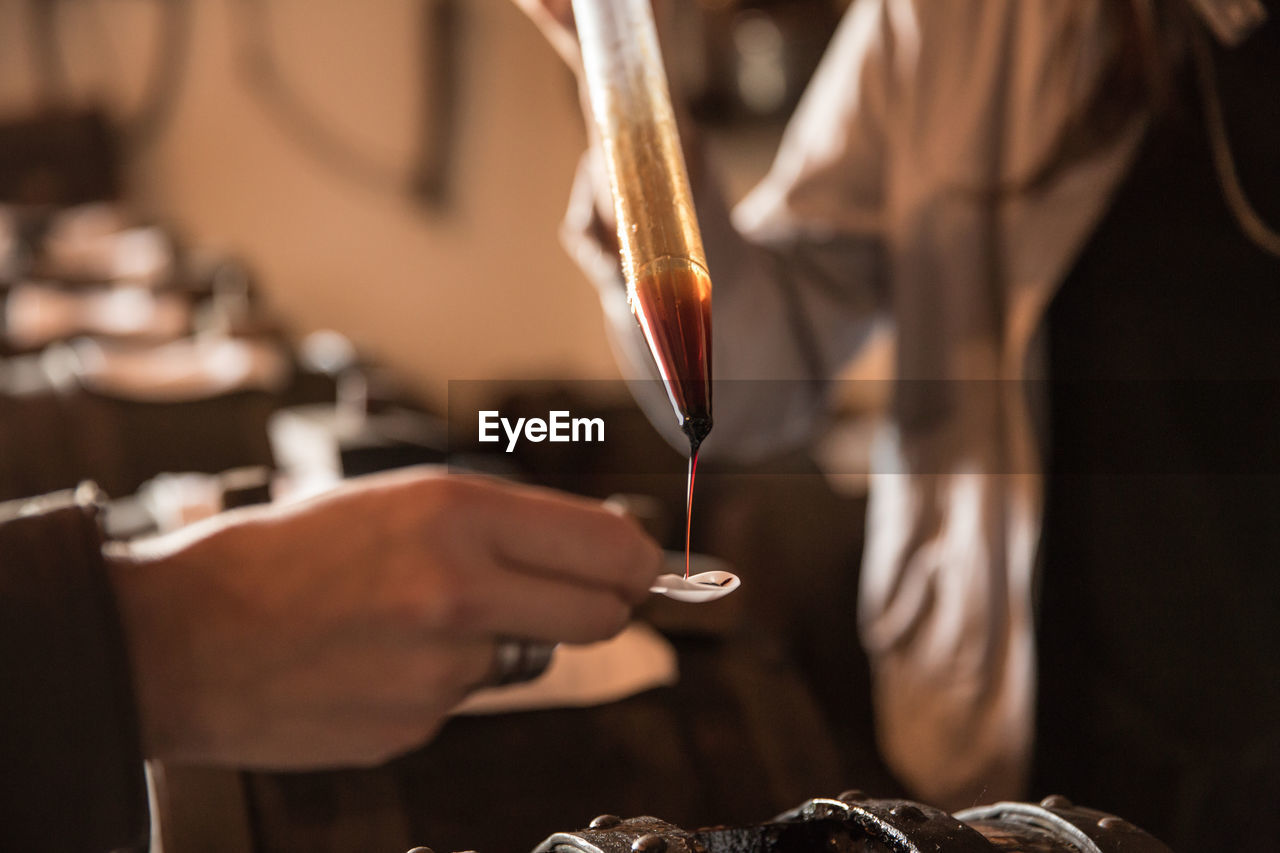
(672, 301)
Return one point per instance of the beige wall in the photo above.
(479, 290)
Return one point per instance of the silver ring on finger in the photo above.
(516, 660)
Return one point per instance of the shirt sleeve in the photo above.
(73, 777)
(797, 269)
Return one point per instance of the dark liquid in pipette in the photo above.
(673, 305)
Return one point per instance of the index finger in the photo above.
(562, 536)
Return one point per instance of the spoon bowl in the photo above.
(696, 589)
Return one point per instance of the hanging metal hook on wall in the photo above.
(426, 180)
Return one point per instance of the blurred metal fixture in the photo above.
(853, 823)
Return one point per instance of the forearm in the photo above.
(798, 270)
(788, 310)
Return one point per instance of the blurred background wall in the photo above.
(476, 287)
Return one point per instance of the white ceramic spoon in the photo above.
(697, 588)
